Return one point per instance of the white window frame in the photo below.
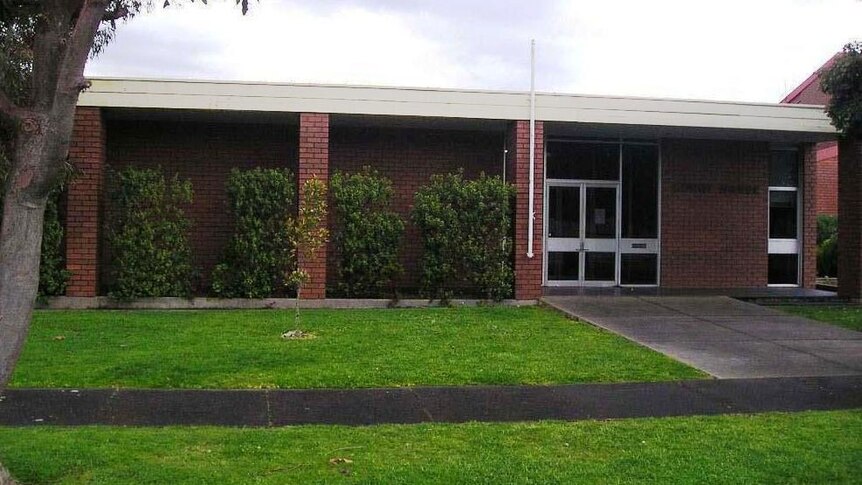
(785, 245)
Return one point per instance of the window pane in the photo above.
(784, 168)
(599, 266)
(782, 215)
(783, 269)
(583, 161)
(601, 216)
(562, 266)
(564, 211)
(640, 191)
(639, 269)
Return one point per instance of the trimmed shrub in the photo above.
(367, 233)
(53, 275)
(827, 245)
(147, 234)
(466, 233)
(262, 200)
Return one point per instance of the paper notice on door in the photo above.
(599, 217)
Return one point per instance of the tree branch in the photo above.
(120, 12)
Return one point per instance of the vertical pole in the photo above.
(532, 176)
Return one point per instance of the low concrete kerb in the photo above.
(201, 303)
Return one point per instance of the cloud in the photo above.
(734, 49)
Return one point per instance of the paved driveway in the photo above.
(725, 337)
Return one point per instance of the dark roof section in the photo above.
(809, 91)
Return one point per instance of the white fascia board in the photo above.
(451, 103)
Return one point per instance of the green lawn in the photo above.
(811, 447)
(351, 348)
(845, 316)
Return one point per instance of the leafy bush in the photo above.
(53, 275)
(827, 245)
(147, 233)
(368, 234)
(843, 83)
(466, 232)
(254, 264)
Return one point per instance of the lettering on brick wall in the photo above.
(707, 188)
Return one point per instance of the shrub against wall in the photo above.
(147, 233)
(827, 245)
(367, 233)
(466, 233)
(261, 200)
(53, 275)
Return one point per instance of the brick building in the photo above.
(626, 191)
(809, 92)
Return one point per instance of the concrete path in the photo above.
(724, 337)
(147, 407)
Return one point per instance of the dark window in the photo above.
(782, 215)
(564, 211)
(583, 161)
(784, 168)
(601, 214)
(640, 191)
(599, 266)
(783, 269)
(563, 266)
(639, 269)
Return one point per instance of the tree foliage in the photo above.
(262, 200)
(147, 232)
(306, 234)
(827, 245)
(843, 83)
(466, 234)
(368, 233)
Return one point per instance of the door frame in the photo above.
(583, 185)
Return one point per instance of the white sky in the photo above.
(751, 50)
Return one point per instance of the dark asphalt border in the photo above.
(262, 408)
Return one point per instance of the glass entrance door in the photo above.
(582, 234)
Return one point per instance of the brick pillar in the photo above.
(850, 219)
(528, 271)
(314, 162)
(87, 154)
(809, 216)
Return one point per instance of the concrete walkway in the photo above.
(150, 407)
(724, 337)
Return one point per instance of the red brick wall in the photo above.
(409, 157)
(827, 178)
(714, 214)
(850, 219)
(203, 153)
(313, 163)
(528, 271)
(87, 153)
(810, 198)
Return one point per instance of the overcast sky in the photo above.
(749, 50)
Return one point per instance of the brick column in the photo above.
(314, 162)
(809, 216)
(528, 271)
(87, 154)
(850, 219)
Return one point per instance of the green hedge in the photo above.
(827, 245)
(147, 234)
(367, 233)
(53, 275)
(259, 252)
(466, 233)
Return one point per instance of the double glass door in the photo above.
(582, 233)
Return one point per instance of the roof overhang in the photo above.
(798, 122)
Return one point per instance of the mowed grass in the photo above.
(810, 447)
(843, 315)
(351, 349)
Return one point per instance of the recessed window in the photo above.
(640, 191)
(639, 269)
(783, 269)
(783, 215)
(784, 168)
(583, 161)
